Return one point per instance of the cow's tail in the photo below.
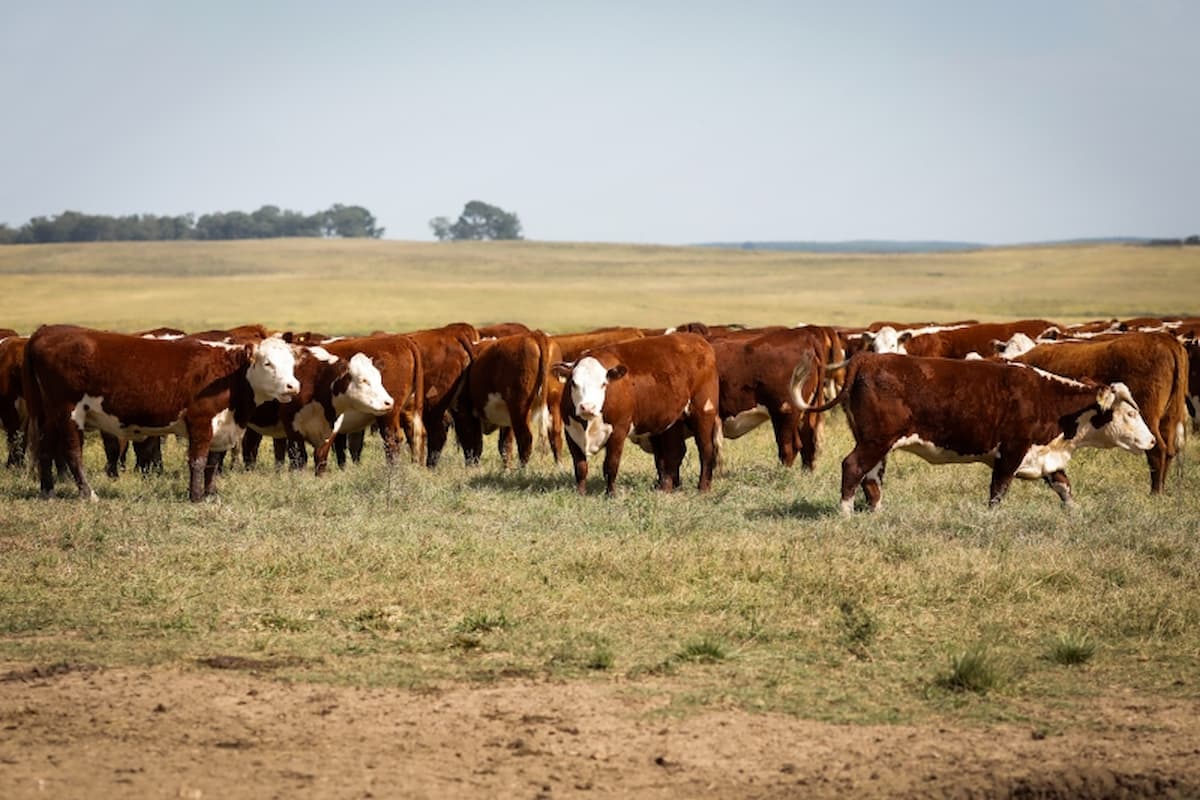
(1178, 399)
(417, 446)
(540, 411)
(31, 390)
(800, 376)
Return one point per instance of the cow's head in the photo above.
(1017, 345)
(887, 340)
(272, 371)
(364, 386)
(1119, 423)
(588, 381)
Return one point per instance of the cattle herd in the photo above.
(1020, 396)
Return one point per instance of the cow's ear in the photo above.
(619, 371)
(562, 370)
(904, 337)
(288, 337)
(251, 349)
(1105, 398)
(998, 346)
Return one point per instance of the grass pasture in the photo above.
(757, 595)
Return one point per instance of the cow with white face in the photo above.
(656, 391)
(76, 378)
(1023, 422)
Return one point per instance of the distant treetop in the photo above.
(267, 222)
(477, 221)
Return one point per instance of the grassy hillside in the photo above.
(358, 286)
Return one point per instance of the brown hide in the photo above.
(147, 382)
(12, 416)
(1155, 368)
(969, 407)
(513, 371)
(757, 370)
(573, 345)
(446, 353)
(401, 366)
(961, 342)
(663, 387)
(500, 329)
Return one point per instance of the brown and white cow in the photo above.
(1022, 421)
(12, 402)
(508, 388)
(1155, 368)
(399, 362)
(77, 378)
(330, 388)
(756, 379)
(963, 341)
(446, 353)
(656, 391)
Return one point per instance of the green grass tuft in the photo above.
(971, 670)
(1072, 648)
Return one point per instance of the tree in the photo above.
(350, 221)
(478, 221)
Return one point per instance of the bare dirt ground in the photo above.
(224, 730)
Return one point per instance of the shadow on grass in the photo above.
(797, 509)
(524, 482)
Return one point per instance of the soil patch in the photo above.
(168, 732)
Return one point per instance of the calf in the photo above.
(1155, 368)
(655, 391)
(961, 342)
(1021, 421)
(76, 378)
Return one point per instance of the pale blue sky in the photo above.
(670, 122)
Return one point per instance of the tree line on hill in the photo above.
(265, 223)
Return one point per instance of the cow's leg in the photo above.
(291, 451)
(1008, 461)
(872, 484)
(16, 447)
(579, 463)
(1062, 487)
(72, 444)
(707, 442)
(251, 441)
(112, 454)
(856, 467)
(469, 431)
(147, 455)
(556, 431)
(809, 432)
(783, 423)
(436, 429)
(213, 465)
(339, 450)
(504, 445)
(612, 462)
(414, 432)
(1159, 461)
(523, 433)
(199, 472)
(354, 443)
(669, 449)
(389, 432)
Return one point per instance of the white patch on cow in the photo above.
(1180, 434)
(743, 422)
(642, 440)
(89, 414)
(1017, 345)
(709, 407)
(938, 455)
(589, 382)
(886, 340)
(495, 410)
(311, 423)
(226, 432)
(272, 371)
(1127, 430)
(353, 420)
(224, 344)
(365, 392)
(846, 507)
(972, 356)
(321, 354)
(1052, 376)
(669, 331)
(163, 337)
(540, 421)
(591, 438)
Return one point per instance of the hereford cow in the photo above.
(507, 388)
(332, 388)
(446, 353)
(401, 367)
(1193, 351)
(12, 404)
(961, 342)
(498, 330)
(1155, 368)
(1021, 421)
(756, 375)
(76, 378)
(655, 391)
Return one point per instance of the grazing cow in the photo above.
(756, 385)
(400, 363)
(507, 387)
(655, 391)
(76, 378)
(446, 353)
(332, 388)
(960, 342)
(1155, 368)
(1021, 421)
(12, 404)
